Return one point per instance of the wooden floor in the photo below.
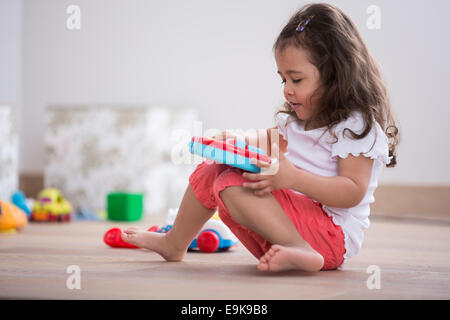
(413, 258)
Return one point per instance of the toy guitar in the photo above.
(232, 152)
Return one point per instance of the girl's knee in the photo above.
(227, 178)
(205, 174)
(202, 181)
(230, 199)
(230, 193)
(207, 170)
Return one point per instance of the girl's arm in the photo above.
(343, 191)
(282, 144)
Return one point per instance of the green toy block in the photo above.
(123, 206)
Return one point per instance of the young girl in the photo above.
(335, 127)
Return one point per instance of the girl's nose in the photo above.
(288, 91)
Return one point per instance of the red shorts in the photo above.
(308, 217)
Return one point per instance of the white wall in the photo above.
(216, 56)
(10, 53)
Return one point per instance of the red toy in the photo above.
(113, 238)
(232, 152)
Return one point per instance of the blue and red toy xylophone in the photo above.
(232, 152)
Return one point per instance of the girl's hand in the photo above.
(221, 136)
(274, 176)
(224, 135)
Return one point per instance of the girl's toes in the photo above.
(128, 236)
(131, 230)
(263, 259)
(270, 253)
(275, 248)
(263, 266)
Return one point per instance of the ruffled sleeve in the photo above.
(281, 121)
(374, 145)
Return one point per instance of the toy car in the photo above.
(50, 205)
(232, 152)
(214, 236)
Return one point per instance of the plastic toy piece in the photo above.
(11, 218)
(18, 199)
(86, 214)
(208, 241)
(124, 206)
(20, 216)
(154, 229)
(113, 238)
(51, 206)
(232, 152)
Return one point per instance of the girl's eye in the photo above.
(294, 81)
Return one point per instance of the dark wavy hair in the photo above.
(350, 78)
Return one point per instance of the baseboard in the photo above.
(421, 202)
(418, 202)
(31, 183)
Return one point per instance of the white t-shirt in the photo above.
(320, 157)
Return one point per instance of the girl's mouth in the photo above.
(295, 105)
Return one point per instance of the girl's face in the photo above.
(301, 79)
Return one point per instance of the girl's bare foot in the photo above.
(154, 241)
(280, 258)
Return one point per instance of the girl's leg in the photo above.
(265, 216)
(192, 215)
